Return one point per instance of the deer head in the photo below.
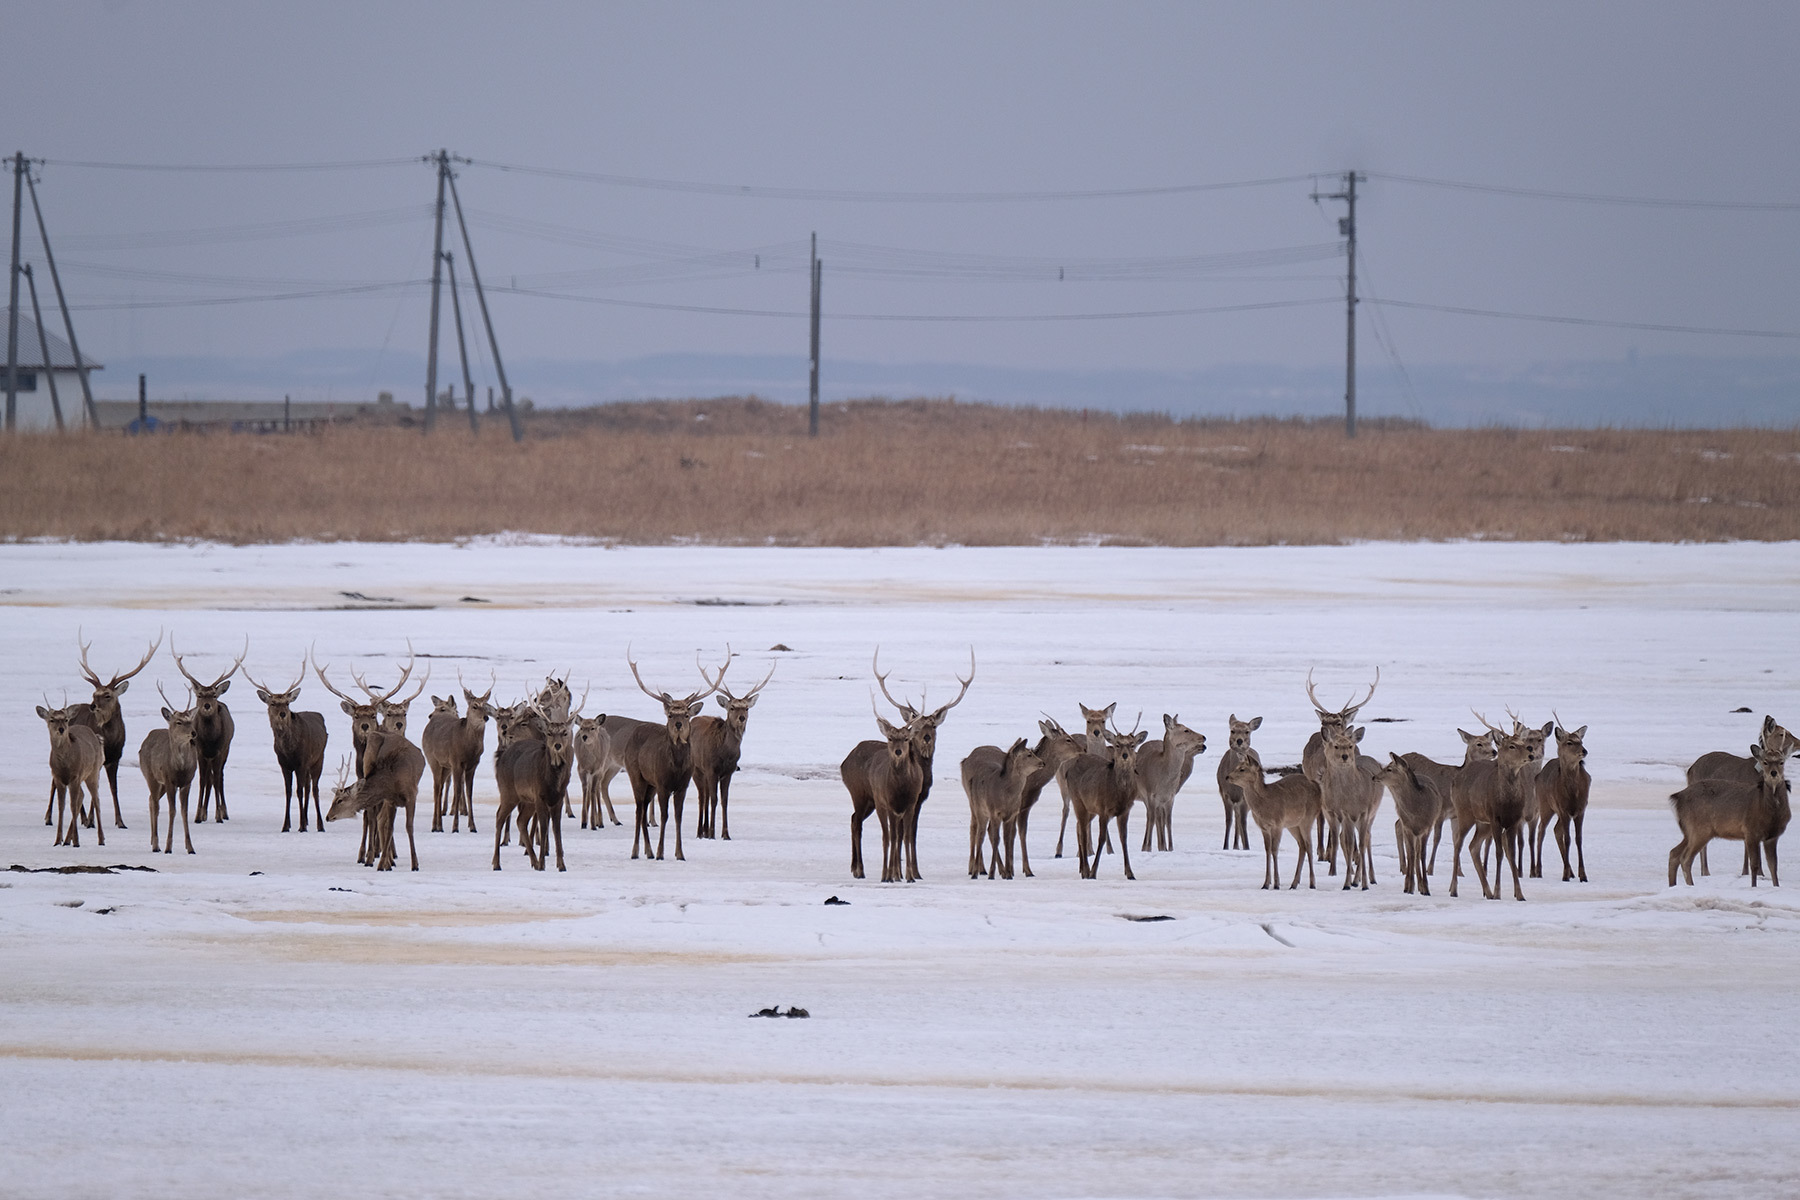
(106, 694)
(1478, 747)
(181, 721)
(737, 708)
(553, 701)
(1241, 731)
(443, 706)
(1124, 749)
(925, 723)
(346, 795)
(902, 740)
(1570, 750)
(1771, 767)
(1021, 759)
(479, 708)
(679, 713)
(1395, 773)
(393, 713)
(1179, 739)
(363, 716)
(57, 720)
(1341, 744)
(1096, 719)
(1339, 718)
(206, 695)
(280, 703)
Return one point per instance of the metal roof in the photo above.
(31, 354)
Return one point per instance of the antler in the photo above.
(292, 687)
(1314, 696)
(1498, 733)
(1351, 710)
(575, 712)
(197, 685)
(906, 710)
(938, 714)
(416, 691)
(320, 671)
(375, 697)
(662, 697)
(94, 680)
(726, 692)
(165, 697)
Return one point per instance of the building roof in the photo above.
(31, 354)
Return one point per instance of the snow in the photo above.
(459, 1032)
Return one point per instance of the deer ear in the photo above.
(696, 708)
(166, 714)
(1255, 723)
(1579, 733)
(347, 707)
(1360, 730)
(123, 684)
(723, 703)
(263, 695)
(1108, 710)
(224, 687)
(750, 702)
(43, 712)
(1549, 728)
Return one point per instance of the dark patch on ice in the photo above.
(69, 903)
(796, 1012)
(78, 869)
(256, 872)
(472, 600)
(721, 602)
(1288, 770)
(370, 599)
(781, 648)
(1155, 917)
(1389, 720)
(337, 889)
(835, 900)
(107, 911)
(1270, 930)
(1743, 709)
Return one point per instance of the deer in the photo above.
(1237, 747)
(1163, 765)
(926, 726)
(1095, 719)
(995, 782)
(1477, 747)
(1053, 748)
(533, 778)
(169, 759)
(1489, 799)
(300, 739)
(1312, 756)
(366, 718)
(103, 715)
(886, 778)
(1535, 739)
(1348, 798)
(659, 759)
(453, 746)
(592, 746)
(554, 703)
(76, 757)
(213, 729)
(1103, 788)
(1721, 764)
(1756, 813)
(1289, 805)
(1561, 790)
(717, 745)
(1418, 807)
(392, 769)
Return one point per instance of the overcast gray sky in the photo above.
(1684, 101)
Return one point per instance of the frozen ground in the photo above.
(266, 1018)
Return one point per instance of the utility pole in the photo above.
(1347, 227)
(37, 315)
(442, 158)
(462, 346)
(512, 414)
(812, 409)
(81, 370)
(12, 303)
(143, 405)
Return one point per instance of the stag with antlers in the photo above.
(213, 728)
(718, 744)
(103, 716)
(367, 717)
(884, 778)
(925, 727)
(300, 739)
(1312, 757)
(169, 760)
(659, 759)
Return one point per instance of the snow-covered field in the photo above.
(266, 1018)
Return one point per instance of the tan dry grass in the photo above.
(907, 473)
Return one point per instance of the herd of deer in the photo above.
(1503, 799)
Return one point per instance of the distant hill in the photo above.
(1664, 391)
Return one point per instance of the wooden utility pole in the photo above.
(1347, 227)
(812, 392)
(462, 345)
(512, 414)
(442, 158)
(143, 404)
(12, 303)
(81, 369)
(37, 315)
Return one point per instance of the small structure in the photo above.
(35, 375)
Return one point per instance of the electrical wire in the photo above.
(346, 165)
(261, 231)
(1384, 337)
(874, 196)
(917, 317)
(1590, 197)
(215, 301)
(1653, 327)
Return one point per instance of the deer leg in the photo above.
(1745, 869)
(1580, 859)
(662, 832)
(1059, 833)
(500, 815)
(93, 787)
(112, 781)
(680, 799)
(1457, 832)
(1024, 849)
(1124, 820)
(856, 823)
(50, 808)
(187, 836)
(1704, 870)
(155, 813)
(725, 807)
(976, 866)
(911, 837)
(1269, 862)
(1226, 801)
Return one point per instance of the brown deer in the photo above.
(592, 745)
(995, 781)
(533, 778)
(717, 745)
(1163, 765)
(1535, 739)
(1477, 747)
(1103, 789)
(659, 759)
(392, 769)
(1418, 805)
(1290, 804)
(1348, 798)
(169, 760)
(1755, 813)
(1312, 756)
(102, 714)
(300, 739)
(1053, 749)
(76, 756)
(213, 729)
(1561, 791)
(1490, 799)
(434, 743)
(366, 718)
(925, 730)
(1721, 764)
(453, 747)
(885, 778)
(1095, 719)
(1236, 812)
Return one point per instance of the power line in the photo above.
(1590, 197)
(344, 165)
(920, 317)
(259, 231)
(215, 301)
(1652, 327)
(875, 196)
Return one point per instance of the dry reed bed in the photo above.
(907, 473)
